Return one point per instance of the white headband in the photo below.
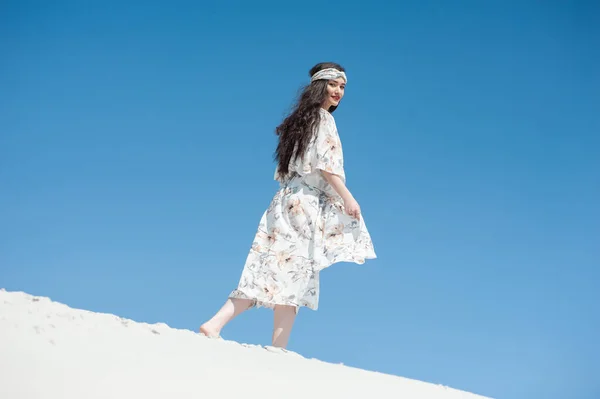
(329, 74)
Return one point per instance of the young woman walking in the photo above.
(313, 220)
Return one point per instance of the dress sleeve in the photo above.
(327, 152)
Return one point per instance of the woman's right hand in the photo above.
(352, 208)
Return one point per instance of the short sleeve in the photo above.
(327, 153)
(324, 151)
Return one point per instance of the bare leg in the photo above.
(284, 317)
(231, 308)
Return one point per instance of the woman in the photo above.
(313, 220)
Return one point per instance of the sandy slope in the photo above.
(48, 350)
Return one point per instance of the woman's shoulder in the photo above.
(327, 118)
(325, 114)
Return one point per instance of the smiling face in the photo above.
(335, 92)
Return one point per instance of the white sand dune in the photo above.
(49, 350)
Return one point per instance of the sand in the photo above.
(49, 350)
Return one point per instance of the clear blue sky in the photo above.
(136, 148)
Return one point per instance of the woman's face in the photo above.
(335, 92)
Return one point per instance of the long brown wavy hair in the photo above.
(298, 128)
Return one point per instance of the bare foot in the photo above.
(209, 331)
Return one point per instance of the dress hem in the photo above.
(359, 260)
(263, 303)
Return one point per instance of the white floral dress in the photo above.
(304, 230)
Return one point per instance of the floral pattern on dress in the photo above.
(304, 230)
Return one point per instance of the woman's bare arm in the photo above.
(352, 207)
(338, 185)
